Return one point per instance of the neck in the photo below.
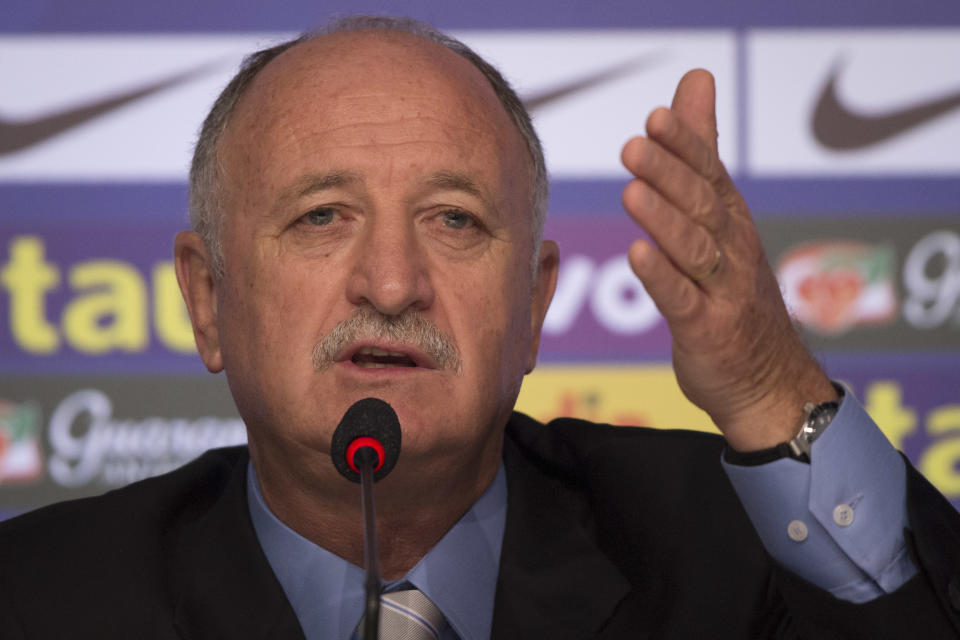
(416, 505)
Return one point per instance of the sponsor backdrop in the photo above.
(840, 121)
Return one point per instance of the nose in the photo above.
(389, 270)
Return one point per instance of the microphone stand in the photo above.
(367, 457)
(366, 443)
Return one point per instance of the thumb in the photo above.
(695, 104)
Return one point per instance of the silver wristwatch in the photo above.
(818, 417)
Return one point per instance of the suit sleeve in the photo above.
(10, 626)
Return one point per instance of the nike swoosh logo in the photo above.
(841, 129)
(17, 135)
(589, 81)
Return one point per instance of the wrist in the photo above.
(818, 418)
(777, 418)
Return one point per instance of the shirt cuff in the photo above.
(838, 521)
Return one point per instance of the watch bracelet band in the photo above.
(784, 449)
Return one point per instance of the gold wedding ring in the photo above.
(703, 275)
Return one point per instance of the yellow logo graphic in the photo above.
(108, 310)
(645, 395)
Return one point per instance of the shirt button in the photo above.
(843, 515)
(797, 531)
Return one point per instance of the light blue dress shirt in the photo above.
(459, 574)
(853, 466)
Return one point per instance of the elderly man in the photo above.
(368, 204)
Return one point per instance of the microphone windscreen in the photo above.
(372, 418)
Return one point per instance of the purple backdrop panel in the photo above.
(600, 310)
(88, 281)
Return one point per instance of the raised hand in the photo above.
(736, 353)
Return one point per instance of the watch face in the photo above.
(818, 417)
(821, 416)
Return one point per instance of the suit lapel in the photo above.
(221, 580)
(554, 581)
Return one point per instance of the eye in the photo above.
(319, 217)
(457, 219)
(455, 229)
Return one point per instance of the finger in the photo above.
(689, 246)
(666, 128)
(695, 104)
(683, 141)
(676, 296)
(689, 191)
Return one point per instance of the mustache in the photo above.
(409, 328)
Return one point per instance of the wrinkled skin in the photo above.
(735, 351)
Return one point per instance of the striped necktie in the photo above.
(407, 615)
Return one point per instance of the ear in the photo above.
(199, 289)
(544, 284)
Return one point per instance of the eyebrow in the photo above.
(454, 182)
(451, 181)
(319, 182)
(442, 180)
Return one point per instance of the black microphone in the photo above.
(365, 448)
(373, 423)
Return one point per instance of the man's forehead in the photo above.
(352, 89)
(366, 77)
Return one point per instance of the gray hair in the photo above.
(205, 201)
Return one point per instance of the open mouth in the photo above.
(373, 358)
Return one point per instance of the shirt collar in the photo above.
(459, 574)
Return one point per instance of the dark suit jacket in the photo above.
(611, 533)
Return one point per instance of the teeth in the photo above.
(373, 351)
(376, 358)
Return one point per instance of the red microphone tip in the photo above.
(359, 443)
